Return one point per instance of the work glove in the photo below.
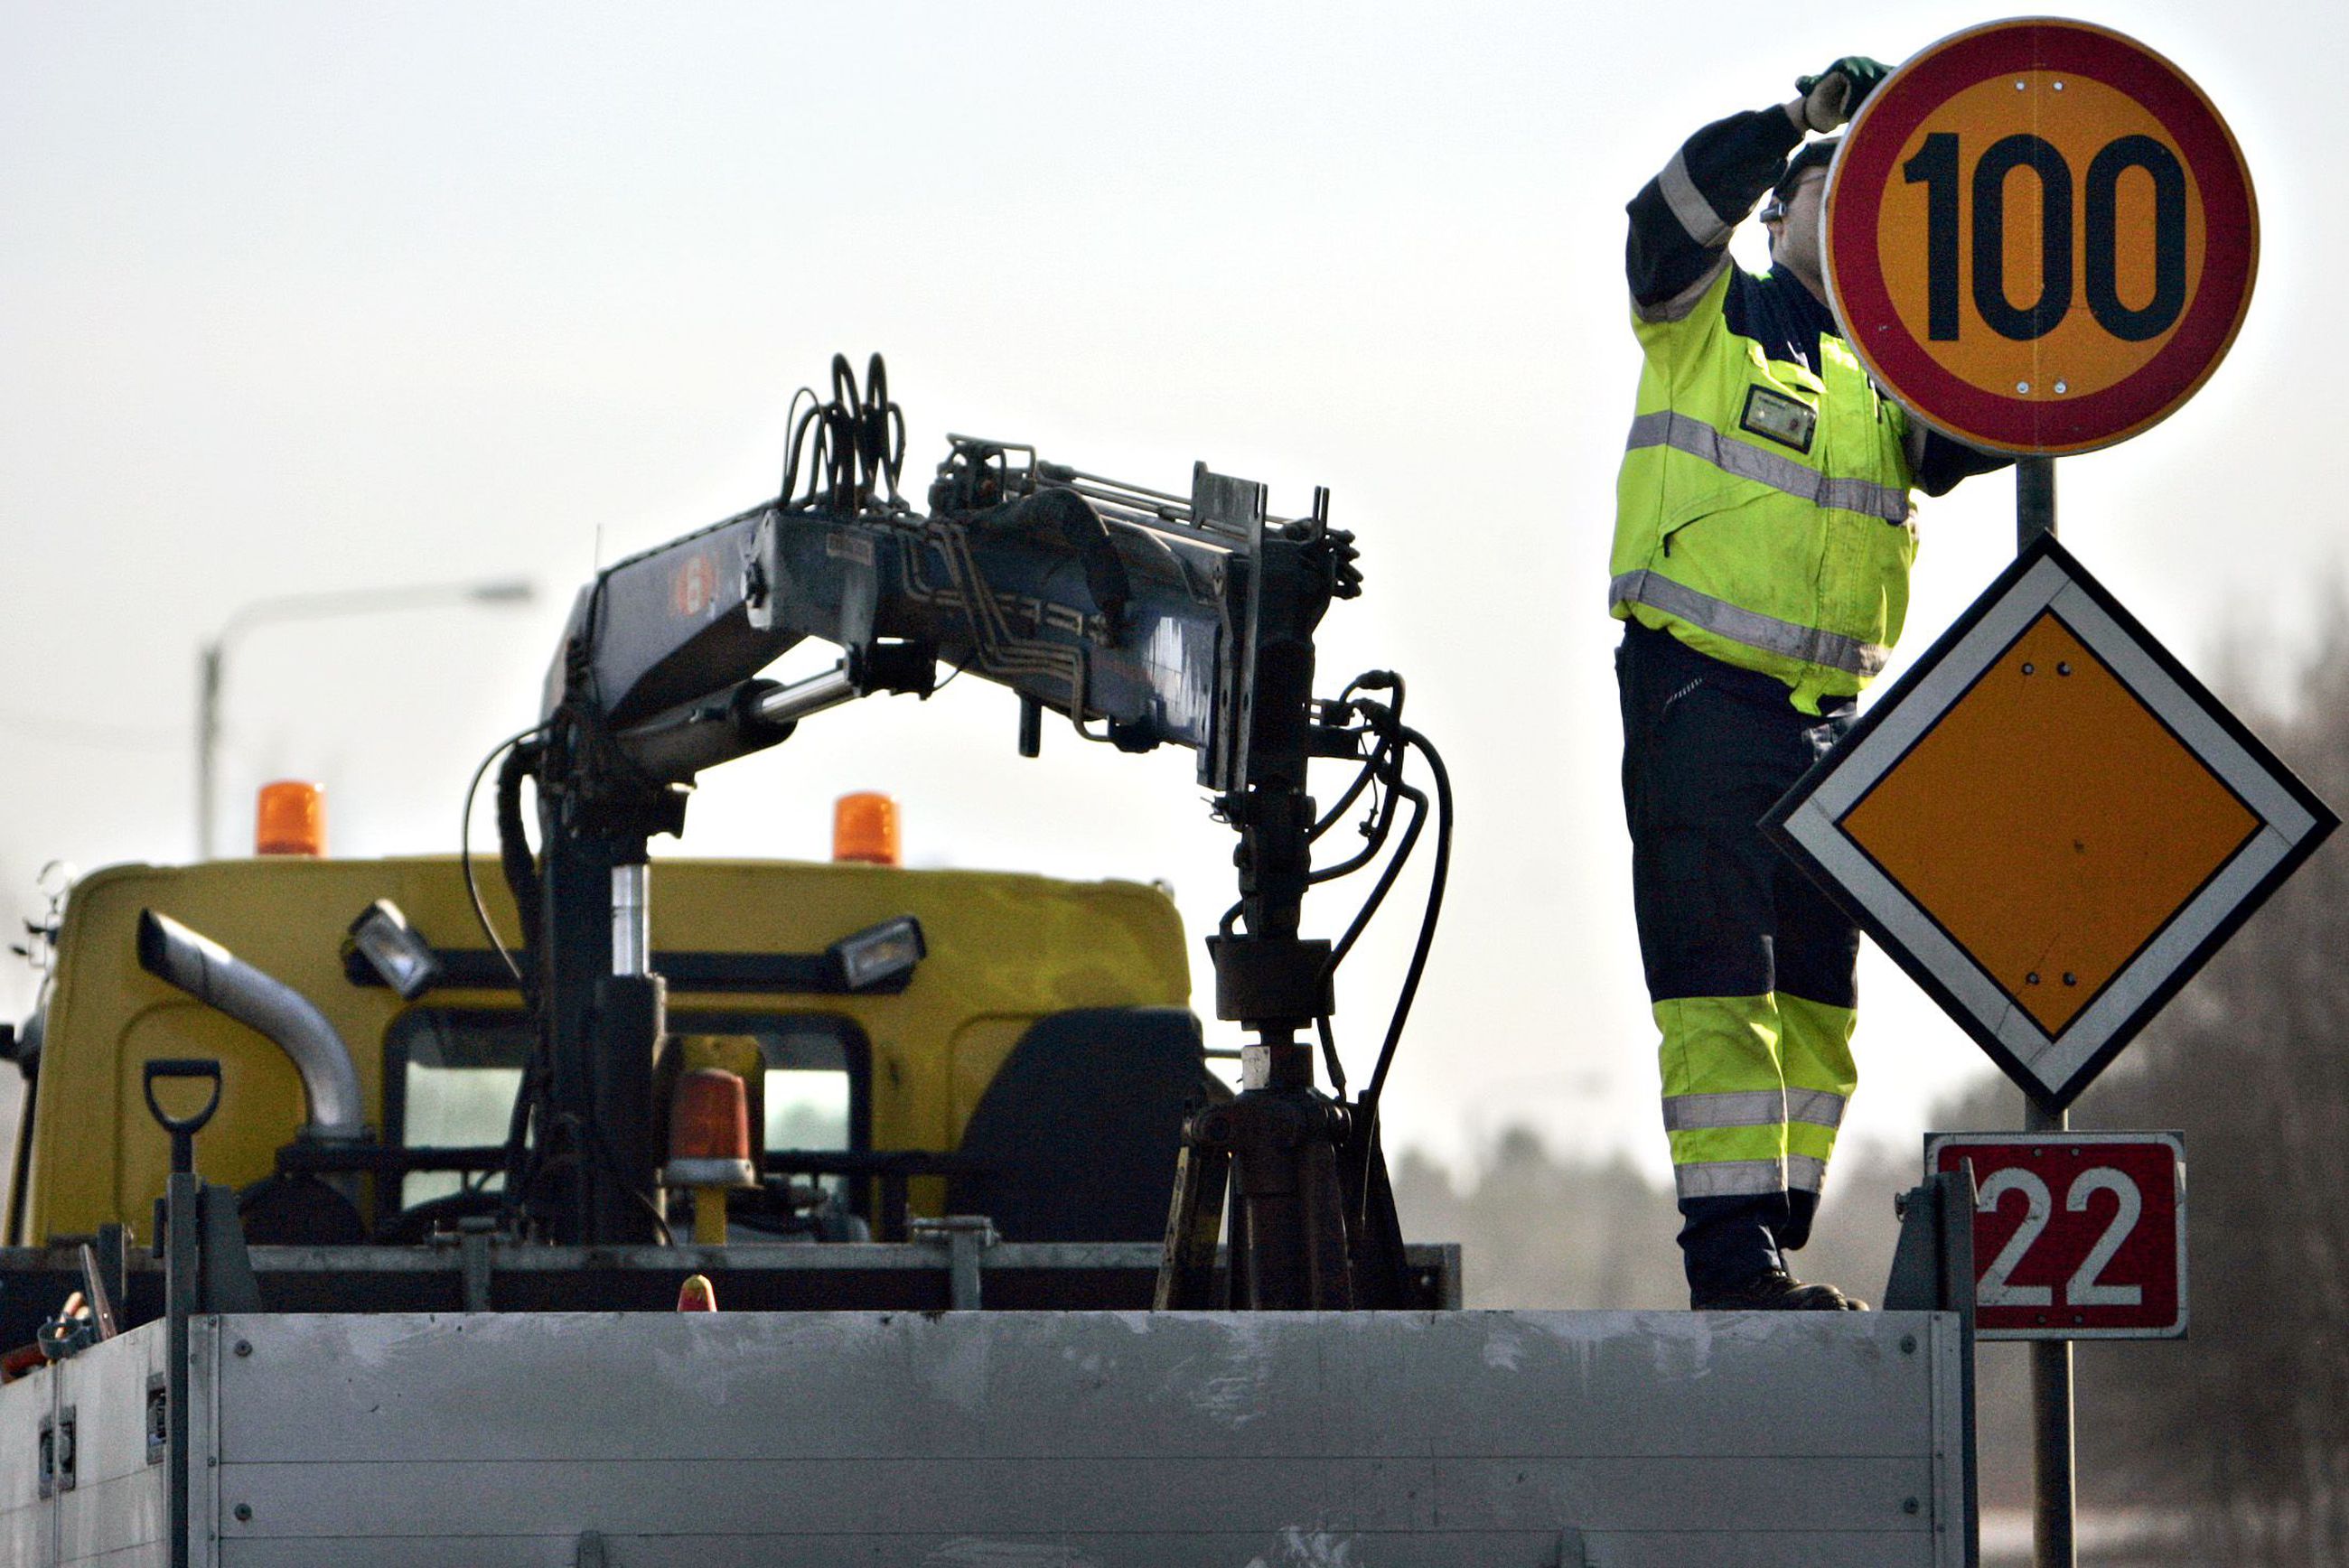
(1835, 95)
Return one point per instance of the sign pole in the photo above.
(2052, 1463)
(2034, 500)
(2052, 1470)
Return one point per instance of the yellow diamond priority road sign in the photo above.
(2050, 824)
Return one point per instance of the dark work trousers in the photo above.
(1728, 926)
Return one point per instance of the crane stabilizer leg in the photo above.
(1313, 1224)
(1195, 1223)
(1301, 1236)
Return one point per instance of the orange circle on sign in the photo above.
(2041, 237)
(2078, 116)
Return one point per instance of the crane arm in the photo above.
(1163, 618)
(1104, 602)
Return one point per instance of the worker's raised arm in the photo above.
(1681, 220)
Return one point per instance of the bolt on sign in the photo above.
(2040, 236)
(2077, 1235)
(2049, 823)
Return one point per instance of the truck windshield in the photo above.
(449, 1078)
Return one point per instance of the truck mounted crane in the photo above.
(1146, 617)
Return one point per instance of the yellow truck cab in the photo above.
(1045, 1026)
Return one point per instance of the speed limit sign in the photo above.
(2040, 236)
(2077, 1235)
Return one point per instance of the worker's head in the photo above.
(1795, 215)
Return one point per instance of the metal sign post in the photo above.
(2054, 1455)
(2053, 1464)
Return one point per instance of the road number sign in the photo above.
(2040, 236)
(2077, 1235)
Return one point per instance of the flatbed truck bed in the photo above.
(1115, 1440)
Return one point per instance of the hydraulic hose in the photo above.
(514, 857)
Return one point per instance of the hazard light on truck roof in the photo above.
(290, 818)
(865, 828)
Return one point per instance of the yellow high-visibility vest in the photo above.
(1762, 512)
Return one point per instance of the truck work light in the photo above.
(879, 954)
(395, 949)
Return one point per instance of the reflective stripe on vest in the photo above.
(1743, 461)
(1815, 1107)
(1762, 508)
(1721, 618)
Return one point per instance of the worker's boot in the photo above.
(1776, 1290)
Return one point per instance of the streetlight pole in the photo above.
(212, 657)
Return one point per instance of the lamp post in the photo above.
(213, 656)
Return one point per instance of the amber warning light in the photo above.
(290, 818)
(709, 1147)
(865, 828)
(710, 1131)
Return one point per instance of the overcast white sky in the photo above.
(312, 296)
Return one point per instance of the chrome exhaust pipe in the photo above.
(218, 978)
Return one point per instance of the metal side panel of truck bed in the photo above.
(1109, 1440)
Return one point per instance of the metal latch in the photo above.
(57, 1465)
(967, 1239)
(474, 1238)
(158, 1417)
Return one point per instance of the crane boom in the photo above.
(1161, 618)
(1101, 601)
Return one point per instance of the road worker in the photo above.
(1762, 539)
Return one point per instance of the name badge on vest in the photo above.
(1786, 421)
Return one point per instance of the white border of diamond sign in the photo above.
(1806, 824)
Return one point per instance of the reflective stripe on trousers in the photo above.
(1753, 1108)
(1730, 1139)
(1750, 1178)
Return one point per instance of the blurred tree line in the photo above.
(2233, 1444)
(2247, 1421)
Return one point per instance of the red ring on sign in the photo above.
(1873, 327)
